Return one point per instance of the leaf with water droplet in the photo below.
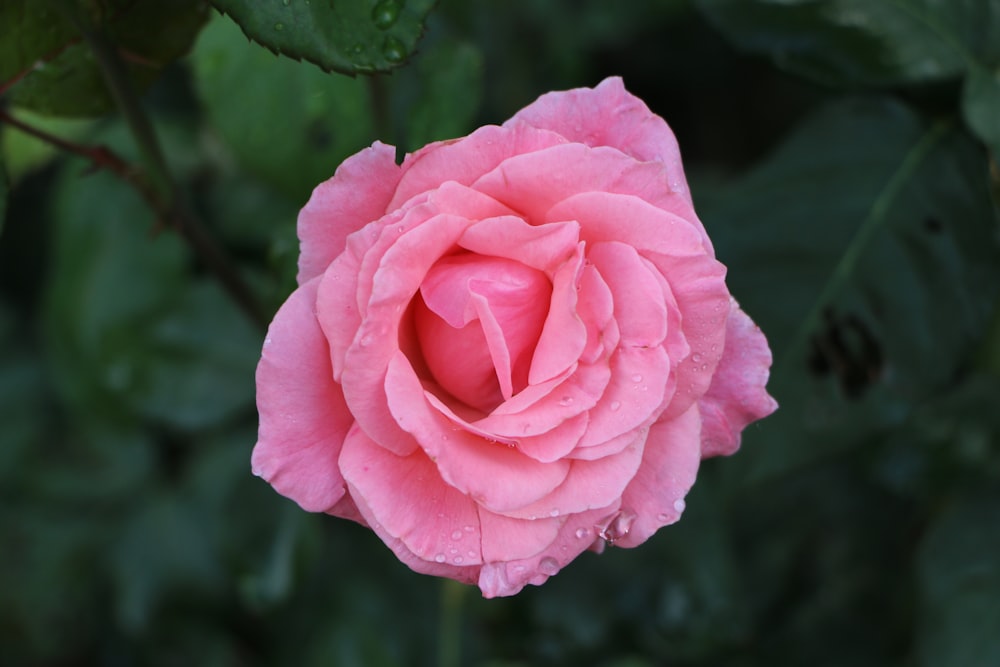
(330, 34)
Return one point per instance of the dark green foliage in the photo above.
(347, 36)
(859, 525)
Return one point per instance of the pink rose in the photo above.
(511, 348)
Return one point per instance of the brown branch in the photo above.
(168, 214)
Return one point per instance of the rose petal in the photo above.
(496, 476)
(669, 466)
(543, 247)
(534, 183)
(563, 336)
(737, 395)
(358, 193)
(407, 498)
(466, 159)
(608, 115)
(303, 416)
(639, 306)
(576, 535)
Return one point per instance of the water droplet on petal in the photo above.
(456, 535)
(662, 518)
(566, 400)
(548, 565)
(679, 505)
(582, 533)
(439, 558)
(393, 50)
(618, 526)
(636, 378)
(615, 406)
(457, 560)
(519, 568)
(554, 513)
(468, 529)
(696, 357)
(385, 14)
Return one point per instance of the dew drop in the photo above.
(472, 553)
(679, 504)
(439, 558)
(582, 533)
(566, 400)
(457, 560)
(385, 14)
(662, 518)
(554, 513)
(279, 26)
(636, 378)
(393, 50)
(618, 526)
(468, 529)
(615, 406)
(696, 357)
(519, 568)
(548, 565)
(453, 551)
(456, 535)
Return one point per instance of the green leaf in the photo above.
(851, 42)
(450, 78)
(960, 585)
(24, 153)
(290, 123)
(981, 105)
(50, 69)
(131, 334)
(865, 247)
(346, 36)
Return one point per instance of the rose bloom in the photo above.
(513, 347)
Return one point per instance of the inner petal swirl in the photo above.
(477, 320)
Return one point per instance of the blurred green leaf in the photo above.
(866, 249)
(347, 36)
(959, 578)
(3, 189)
(852, 42)
(21, 396)
(126, 324)
(981, 105)
(451, 78)
(290, 123)
(51, 70)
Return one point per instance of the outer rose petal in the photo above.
(609, 115)
(669, 466)
(358, 193)
(303, 416)
(737, 395)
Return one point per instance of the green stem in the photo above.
(876, 219)
(450, 629)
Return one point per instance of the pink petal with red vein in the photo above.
(737, 395)
(669, 466)
(608, 115)
(303, 416)
(358, 193)
(495, 475)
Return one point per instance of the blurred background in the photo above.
(843, 156)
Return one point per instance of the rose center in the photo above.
(477, 321)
